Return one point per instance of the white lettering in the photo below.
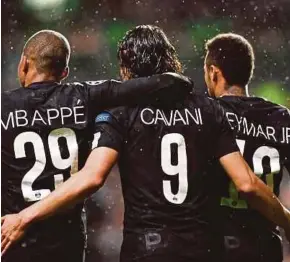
(178, 117)
(285, 135)
(242, 125)
(19, 117)
(260, 131)
(248, 131)
(188, 113)
(271, 133)
(49, 115)
(37, 117)
(230, 119)
(199, 114)
(63, 115)
(78, 114)
(172, 117)
(160, 116)
(10, 118)
(142, 116)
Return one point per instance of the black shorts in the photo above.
(164, 246)
(72, 251)
(252, 246)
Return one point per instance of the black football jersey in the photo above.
(46, 129)
(164, 156)
(262, 131)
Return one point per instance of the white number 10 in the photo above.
(180, 169)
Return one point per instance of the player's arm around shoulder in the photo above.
(112, 93)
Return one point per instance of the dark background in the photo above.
(94, 28)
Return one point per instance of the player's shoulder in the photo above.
(94, 83)
(94, 89)
(12, 94)
(258, 104)
(11, 98)
(120, 113)
(121, 117)
(208, 105)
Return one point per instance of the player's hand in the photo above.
(12, 230)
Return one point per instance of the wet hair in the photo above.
(233, 55)
(145, 50)
(49, 50)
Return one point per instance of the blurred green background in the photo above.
(94, 28)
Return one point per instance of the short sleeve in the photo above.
(225, 142)
(108, 132)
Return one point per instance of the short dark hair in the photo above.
(49, 50)
(233, 55)
(145, 50)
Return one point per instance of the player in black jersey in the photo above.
(262, 131)
(46, 129)
(166, 150)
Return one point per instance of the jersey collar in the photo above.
(43, 84)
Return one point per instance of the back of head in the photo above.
(146, 50)
(49, 51)
(233, 55)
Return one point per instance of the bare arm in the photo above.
(75, 189)
(82, 184)
(258, 195)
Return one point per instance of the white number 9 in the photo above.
(180, 169)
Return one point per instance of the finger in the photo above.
(5, 248)
(4, 233)
(2, 220)
(3, 236)
(4, 243)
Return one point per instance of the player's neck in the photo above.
(36, 77)
(234, 91)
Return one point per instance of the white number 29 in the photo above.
(40, 158)
(180, 169)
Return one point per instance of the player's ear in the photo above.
(24, 64)
(215, 76)
(211, 73)
(215, 72)
(23, 69)
(65, 73)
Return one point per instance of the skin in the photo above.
(28, 73)
(94, 174)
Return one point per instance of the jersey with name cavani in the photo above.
(46, 130)
(263, 135)
(164, 156)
